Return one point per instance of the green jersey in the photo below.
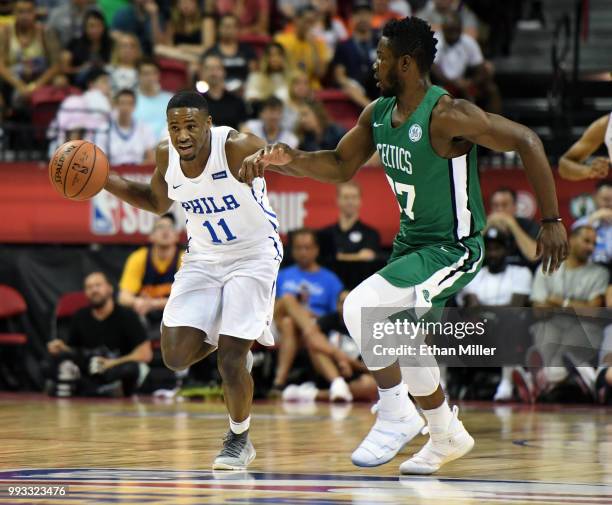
(440, 200)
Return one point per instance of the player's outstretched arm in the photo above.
(153, 196)
(571, 164)
(339, 165)
(461, 119)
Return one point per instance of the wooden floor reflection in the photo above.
(138, 451)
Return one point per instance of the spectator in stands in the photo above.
(314, 286)
(124, 63)
(300, 90)
(333, 354)
(107, 343)
(269, 125)
(272, 78)
(131, 142)
(151, 101)
(29, 56)
(523, 231)
(141, 18)
(601, 220)
(86, 116)
(330, 27)
(307, 51)
(66, 21)
(577, 284)
(188, 34)
(460, 67)
(349, 239)
(149, 273)
(499, 285)
(225, 107)
(384, 13)
(314, 128)
(253, 15)
(572, 165)
(353, 59)
(436, 10)
(290, 8)
(91, 49)
(238, 58)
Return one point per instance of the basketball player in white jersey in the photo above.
(571, 164)
(222, 297)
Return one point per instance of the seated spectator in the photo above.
(354, 58)
(253, 15)
(238, 58)
(290, 8)
(435, 11)
(499, 285)
(151, 101)
(330, 27)
(334, 356)
(523, 231)
(300, 91)
(106, 351)
(86, 116)
(91, 49)
(572, 165)
(314, 129)
(29, 56)
(460, 67)
(383, 13)
(149, 273)
(188, 34)
(140, 18)
(125, 60)
(272, 78)
(67, 20)
(307, 51)
(131, 142)
(225, 107)
(314, 286)
(269, 126)
(601, 220)
(578, 284)
(349, 239)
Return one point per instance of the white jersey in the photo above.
(225, 217)
(608, 137)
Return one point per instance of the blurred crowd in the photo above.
(110, 66)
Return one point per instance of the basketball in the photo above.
(78, 170)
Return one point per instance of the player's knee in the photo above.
(351, 311)
(175, 356)
(231, 364)
(421, 380)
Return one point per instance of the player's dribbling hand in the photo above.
(552, 246)
(273, 154)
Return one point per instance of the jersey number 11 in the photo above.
(213, 234)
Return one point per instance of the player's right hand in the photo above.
(273, 154)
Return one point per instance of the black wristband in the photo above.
(551, 220)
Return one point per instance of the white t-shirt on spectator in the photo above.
(456, 59)
(255, 126)
(128, 147)
(497, 289)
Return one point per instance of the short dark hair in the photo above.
(305, 231)
(125, 92)
(168, 215)
(414, 37)
(576, 230)
(505, 189)
(147, 60)
(97, 272)
(93, 75)
(189, 99)
(272, 102)
(305, 10)
(604, 183)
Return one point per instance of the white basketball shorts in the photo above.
(232, 296)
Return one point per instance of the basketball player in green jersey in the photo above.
(426, 141)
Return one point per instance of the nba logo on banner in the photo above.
(103, 212)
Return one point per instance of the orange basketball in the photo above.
(78, 169)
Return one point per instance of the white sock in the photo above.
(394, 402)
(506, 374)
(240, 427)
(439, 418)
(336, 380)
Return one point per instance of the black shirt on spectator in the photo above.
(120, 333)
(237, 65)
(332, 323)
(357, 57)
(515, 257)
(229, 110)
(359, 236)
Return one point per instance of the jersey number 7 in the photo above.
(399, 188)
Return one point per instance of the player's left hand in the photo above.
(105, 364)
(552, 246)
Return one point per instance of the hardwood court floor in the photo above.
(138, 451)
